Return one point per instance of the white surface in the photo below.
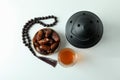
(102, 62)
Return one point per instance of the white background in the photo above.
(101, 62)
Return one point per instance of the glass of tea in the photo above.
(67, 57)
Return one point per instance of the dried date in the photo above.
(39, 35)
(47, 32)
(54, 46)
(55, 37)
(43, 41)
(45, 47)
(36, 44)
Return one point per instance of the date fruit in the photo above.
(54, 46)
(39, 35)
(47, 32)
(43, 41)
(45, 47)
(55, 37)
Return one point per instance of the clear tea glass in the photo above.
(67, 57)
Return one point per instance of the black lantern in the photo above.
(84, 29)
